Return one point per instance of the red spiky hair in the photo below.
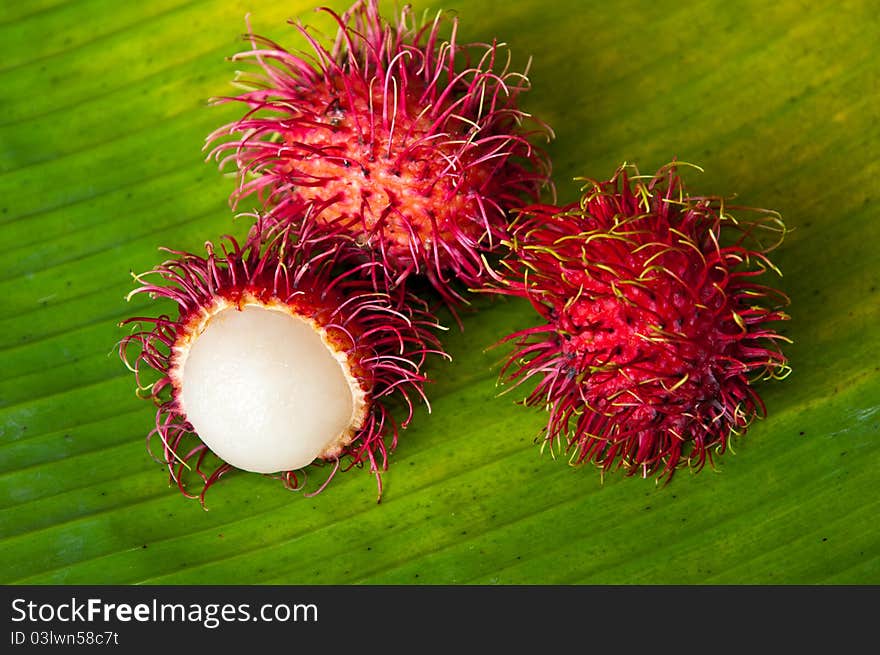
(411, 143)
(654, 327)
(313, 274)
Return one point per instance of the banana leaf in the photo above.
(104, 114)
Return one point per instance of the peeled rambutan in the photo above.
(282, 352)
(412, 144)
(654, 327)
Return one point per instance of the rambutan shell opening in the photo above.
(264, 388)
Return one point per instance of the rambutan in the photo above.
(654, 328)
(412, 144)
(282, 353)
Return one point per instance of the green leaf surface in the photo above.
(104, 113)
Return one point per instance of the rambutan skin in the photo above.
(655, 328)
(317, 275)
(412, 144)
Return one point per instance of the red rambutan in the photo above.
(654, 326)
(412, 144)
(282, 352)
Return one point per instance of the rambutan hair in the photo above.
(411, 143)
(654, 328)
(316, 274)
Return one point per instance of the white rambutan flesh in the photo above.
(265, 390)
